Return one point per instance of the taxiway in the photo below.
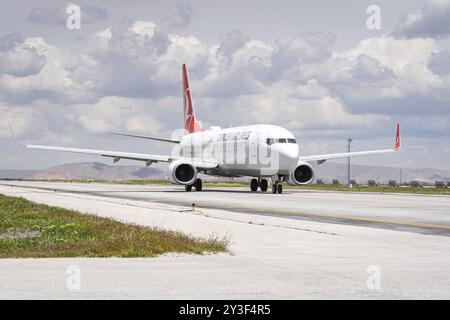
(300, 244)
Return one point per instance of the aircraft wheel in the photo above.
(280, 188)
(188, 188)
(198, 185)
(254, 185)
(274, 188)
(264, 185)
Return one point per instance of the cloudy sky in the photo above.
(313, 67)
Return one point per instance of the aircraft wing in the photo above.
(323, 157)
(117, 155)
(320, 158)
(104, 153)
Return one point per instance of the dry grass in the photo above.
(330, 187)
(46, 231)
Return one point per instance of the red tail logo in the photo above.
(190, 123)
(397, 138)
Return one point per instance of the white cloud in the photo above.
(253, 55)
(431, 20)
(10, 41)
(307, 47)
(57, 80)
(113, 113)
(143, 28)
(393, 53)
(232, 41)
(28, 121)
(179, 20)
(277, 105)
(386, 75)
(368, 69)
(142, 124)
(21, 62)
(311, 90)
(440, 63)
(123, 62)
(128, 76)
(19, 117)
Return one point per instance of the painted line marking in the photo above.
(256, 209)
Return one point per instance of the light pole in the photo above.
(349, 141)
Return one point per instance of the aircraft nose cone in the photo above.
(288, 156)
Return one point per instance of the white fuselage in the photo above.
(256, 150)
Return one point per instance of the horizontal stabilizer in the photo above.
(146, 137)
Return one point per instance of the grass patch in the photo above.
(28, 229)
(385, 189)
(324, 187)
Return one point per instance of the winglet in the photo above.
(397, 138)
(13, 136)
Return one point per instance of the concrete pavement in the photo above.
(270, 256)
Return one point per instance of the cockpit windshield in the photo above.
(271, 141)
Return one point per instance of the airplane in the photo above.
(260, 151)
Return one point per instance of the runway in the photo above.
(405, 212)
(300, 244)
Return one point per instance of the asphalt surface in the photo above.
(428, 214)
(297, 245)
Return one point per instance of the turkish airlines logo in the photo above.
(188, 116)
(397, 138)
(187, 102)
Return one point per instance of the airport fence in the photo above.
(438, 184)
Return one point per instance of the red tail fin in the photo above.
(397, 138)
(190, 123)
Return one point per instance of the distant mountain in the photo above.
(361, 173)
(16, 174)
(326, 171)
(89, 170)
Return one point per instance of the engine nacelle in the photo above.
(302, 174)
(181, 172)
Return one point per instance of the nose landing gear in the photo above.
(198, 185)
(277, 187)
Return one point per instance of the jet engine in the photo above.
(181, 172)
(302, 174)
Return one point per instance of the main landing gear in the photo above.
(261, 183)
(277, 187)
(198, 185)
